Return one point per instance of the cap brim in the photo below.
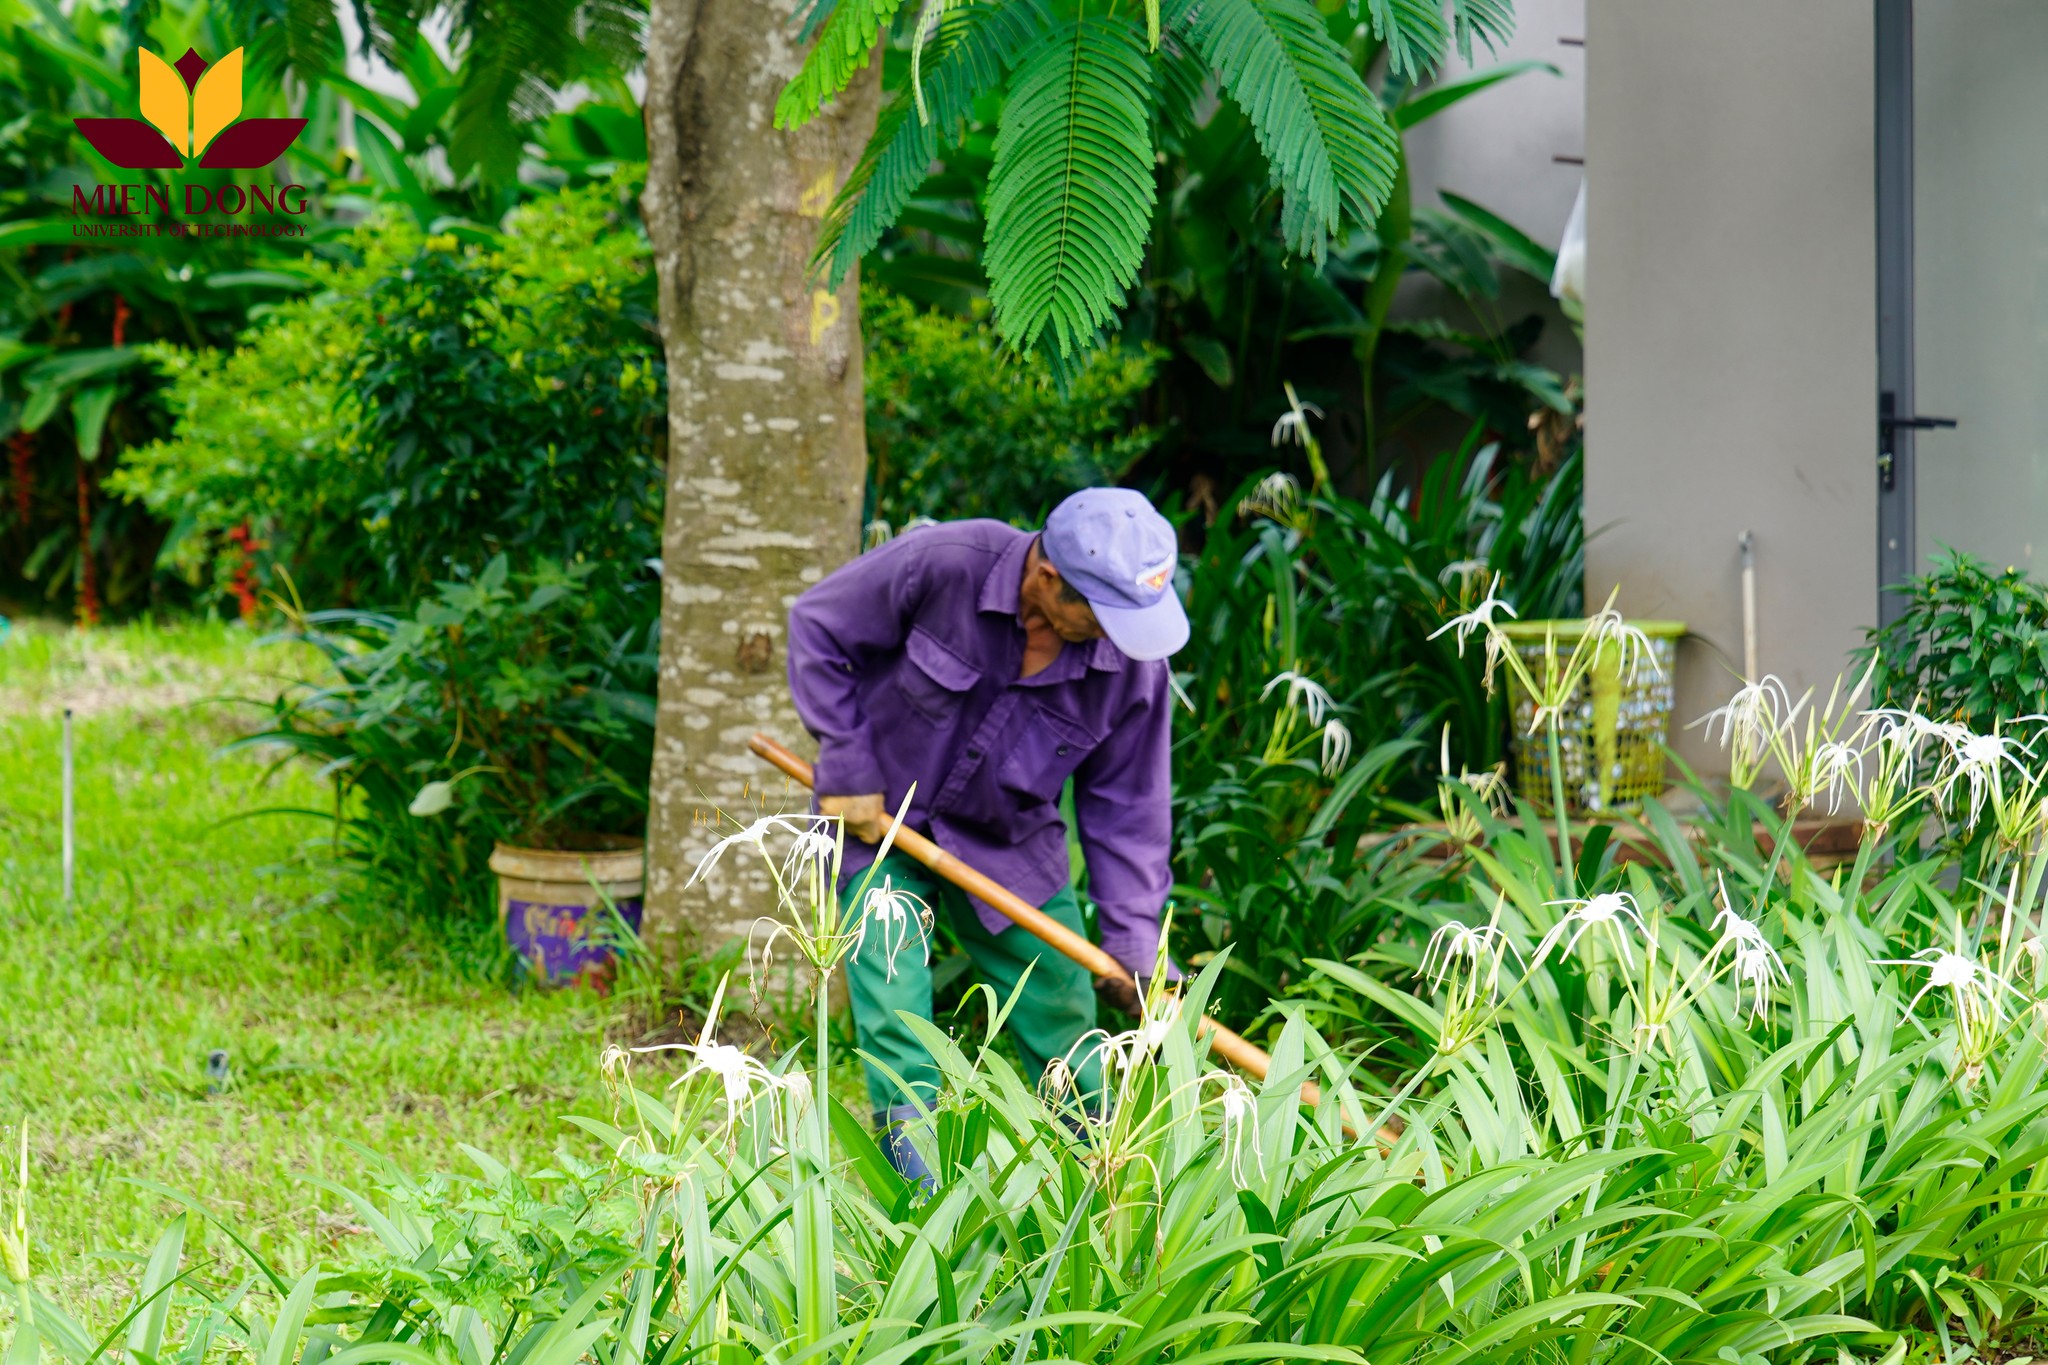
(1154, 632)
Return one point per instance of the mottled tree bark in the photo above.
(767, 448)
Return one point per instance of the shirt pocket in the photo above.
(932, 678)
(1049, 747)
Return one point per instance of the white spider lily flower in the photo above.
(1887, 790)
(1757, 966)
(1906, 732)
(1278, 487)
(1608, 627)
(1750, 723)
(1740, 934)
(1974, 989)
(1455, 946)
(876, 532)
(1753, 961)
(1122, 1053)
(812, 850)
(741, 1077)
(755, 836)
(1336, 747)
(1838, 771)
(1306, 692)
(895, 917)
(1456, 942)
(1979, 761)
(1293, 423)
(1240, 1128)
(1463, 571)
(1480, 618)
(1157, 1025)
(1057, 1083)
(1277, 496)
(1488, 788)
(1609, 908)
(1491, 787)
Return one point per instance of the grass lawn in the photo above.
(192, 935)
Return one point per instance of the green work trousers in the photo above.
(889, 975)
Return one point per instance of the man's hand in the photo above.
(1124, 994)
(866, 817)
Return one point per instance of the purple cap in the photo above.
(1114, 548)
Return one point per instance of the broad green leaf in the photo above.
(1070, 197)
(1430, 100)
(282, 1347)
(146, 1331)
(89, 409)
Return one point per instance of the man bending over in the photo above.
(987, 665)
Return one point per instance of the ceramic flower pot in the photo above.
(557, 905)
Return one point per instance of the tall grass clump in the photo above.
(1708, 1102)
(1320, 685)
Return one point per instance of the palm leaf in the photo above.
(843, 45)
(1490, 21)
(1414, 32)
(1071, 193)
(968, 54)
(1324, 134)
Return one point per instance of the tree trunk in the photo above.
(767, 446)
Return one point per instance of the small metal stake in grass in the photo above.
(70, 812)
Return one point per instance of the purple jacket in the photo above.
(904, 665)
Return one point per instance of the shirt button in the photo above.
(1063, 751)
(974, 753)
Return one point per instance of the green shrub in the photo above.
(465, 433)
(960, 427)
(507, 707)
(1277, 786)
(437, 401)
(1971, 645)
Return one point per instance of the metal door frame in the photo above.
(1897, 531)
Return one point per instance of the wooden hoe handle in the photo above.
(1246, 1056)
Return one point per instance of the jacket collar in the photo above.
(1001, 592)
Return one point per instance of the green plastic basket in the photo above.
(1612, 734)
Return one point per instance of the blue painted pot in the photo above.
(558, 905)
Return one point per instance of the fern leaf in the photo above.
(842, 49)
(1324, 133)
(1490, 21)
(928, 21)
(1414, 32)
(1071, 194)
(972, 49)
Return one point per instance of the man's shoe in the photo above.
(896, 1145)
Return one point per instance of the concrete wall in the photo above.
(1731, 329)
